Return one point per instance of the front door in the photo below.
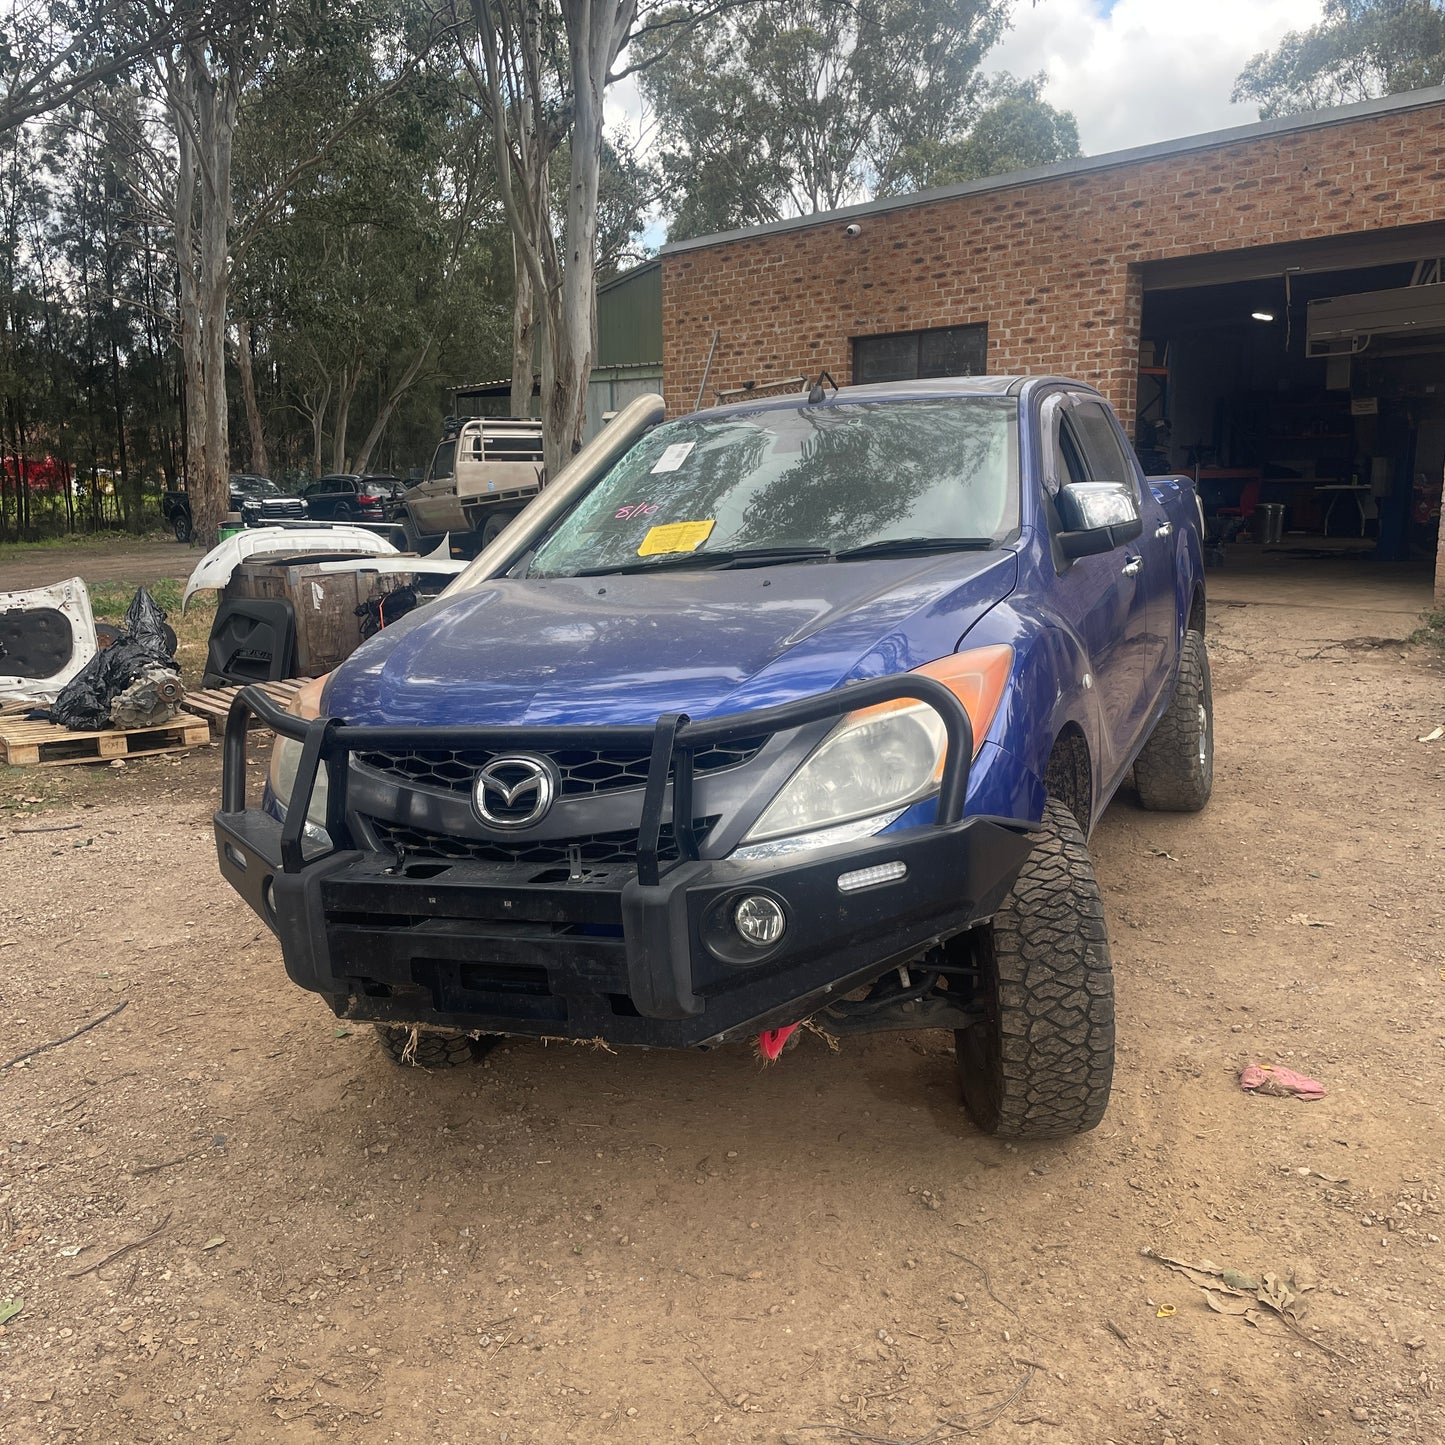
(1104, 594)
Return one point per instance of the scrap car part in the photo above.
(214, 570)
(47, 634)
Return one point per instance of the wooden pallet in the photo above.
(48, 745)
(214, 703)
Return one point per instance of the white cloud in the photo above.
(1139, 71)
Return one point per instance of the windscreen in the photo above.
(832, 477)
(255, 487)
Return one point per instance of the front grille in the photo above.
(599, 848)
(585, 772)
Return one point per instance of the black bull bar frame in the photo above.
(957, 867)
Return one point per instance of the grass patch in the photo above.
(1432, 632)
(90, 541)
(108, 600)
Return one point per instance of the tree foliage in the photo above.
(1360, 49)
(799, 106)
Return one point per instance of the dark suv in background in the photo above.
(349, 496)
(259, 501)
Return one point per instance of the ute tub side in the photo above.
(1180, 502)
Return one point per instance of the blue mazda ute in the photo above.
(800, 709)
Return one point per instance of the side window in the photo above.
(1070, 461)
(1103, 450)
(443, 462)
(1064, 461)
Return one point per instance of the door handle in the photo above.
(1133, 566)
(1165, 530)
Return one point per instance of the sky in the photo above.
(1137, 71)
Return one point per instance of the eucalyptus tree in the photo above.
(1358, 50)
(53, 52)
(798, 106)
(238, 55)
(387, 268)
(541, 69)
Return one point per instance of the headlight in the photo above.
(879, 760)
(286, 758)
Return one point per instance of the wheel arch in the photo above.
(1069, 774)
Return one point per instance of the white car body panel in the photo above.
(72, 599)
(214, 570)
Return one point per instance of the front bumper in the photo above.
(640, 954)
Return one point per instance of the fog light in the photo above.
(871, 877)
(759, 919)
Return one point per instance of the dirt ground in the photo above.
(230, 1219)
(143, 561)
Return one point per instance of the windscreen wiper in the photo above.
(735, 557)
(914, 546)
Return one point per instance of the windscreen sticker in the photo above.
(675, 537)
(673, 457)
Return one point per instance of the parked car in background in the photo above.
(350, 497)
(262, 503)
(258, 501)
(484, 471)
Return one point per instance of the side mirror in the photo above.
(1097, 517)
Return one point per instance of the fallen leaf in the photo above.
(1305, 921)
(1227, 1306)
(1275, 1293)
(9, 1308)
(213, 1243)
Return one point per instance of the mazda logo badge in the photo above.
(514, 792)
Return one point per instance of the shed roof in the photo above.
(1084, 165)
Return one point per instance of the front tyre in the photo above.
(430, 1048)
(1039, 1064)
(1175, 772)
(181, 526)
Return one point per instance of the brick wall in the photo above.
(1050, 265)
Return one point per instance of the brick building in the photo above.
(1243, 288)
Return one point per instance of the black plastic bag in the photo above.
(145, 623)
(84, 702)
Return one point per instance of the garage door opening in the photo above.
(1309, 437)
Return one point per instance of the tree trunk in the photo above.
(315, 413)
(260, 463)
(349, 379)
(524, 338)
(389, 405)
(203, 94)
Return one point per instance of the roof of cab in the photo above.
(943, 386)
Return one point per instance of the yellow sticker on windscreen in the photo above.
(675, 537)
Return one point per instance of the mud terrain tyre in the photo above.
(1175, 772)
(435, 1048)
(495, 525)
(1040, 1062)
(181, 526)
